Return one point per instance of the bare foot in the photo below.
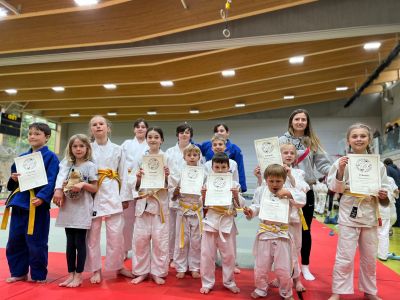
(274, 283)
(334, 297)
(68, 280)
(172, 264)
(236, 270)
(371, 297)
(159, 280)
(299, 285)
(139, 279)
(125, 272)
(77, 281)
(180, 275)
(254, 295)
(195, 274)
(234, 289)
(96, 277)
(204, 290)
(15, 279)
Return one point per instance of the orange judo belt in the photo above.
(103, 173)
(32, 211)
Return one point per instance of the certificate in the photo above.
(192, 180)
(219, 189)
(31, 170)
(364, 173)
(274, 209)
(153, 168)
(268, 152)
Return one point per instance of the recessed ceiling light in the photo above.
(240, 105)
(288, 97)
(342, 88)
(166, 83)
(74, 115)
(86, 2)
(3, 12)
(11, 91)
(110, 86)
(296, 59)
(58, 88)
(372, 46)
(111, 113)
(194, 111)
(228, 73)
(151, 113)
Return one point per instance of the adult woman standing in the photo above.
(310, 155)
(232, 150)
(133, 150)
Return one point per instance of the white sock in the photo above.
(306, 273)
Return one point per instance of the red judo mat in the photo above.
(322, 260)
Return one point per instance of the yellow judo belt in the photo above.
(103, 173)
(303, 220)
(361, 198)
(222, 211)
(32, 211)
(153, 194)
(272, 228)
(185, 208)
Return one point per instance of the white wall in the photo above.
(330, 120)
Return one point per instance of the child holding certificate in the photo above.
(220, 230)
(30, 210)
(150, 253)
(272, 203)
(190, 213)
(110, 161)
(75, 213)
(358, 214)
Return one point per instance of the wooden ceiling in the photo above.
(263, 73)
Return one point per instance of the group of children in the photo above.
(110, 182)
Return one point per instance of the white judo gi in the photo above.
(150, 231)
(107, 204)
(188, 229)
(273, 245)
(359, 231)
(219, 232)
(133, 151)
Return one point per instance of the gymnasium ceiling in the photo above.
(263, 72)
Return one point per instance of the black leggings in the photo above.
(76, 249)
(308, 212)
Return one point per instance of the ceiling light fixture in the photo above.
(166, 83)
(194, 111)
(111, 113)
(151, 113)
(296, 59)
(86, 2)
(342, 88)
(58, 88)
(3, 12)
(11, 91)
(110, 86)
(372, 46)
(288, 97)
(74, 115)
(240, 105)
(228, 73)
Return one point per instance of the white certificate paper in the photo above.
(274, 209)
(364, 173)
(219, 189)
(192, 180)
(153, 168)
(31, 168)
(268, 152)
